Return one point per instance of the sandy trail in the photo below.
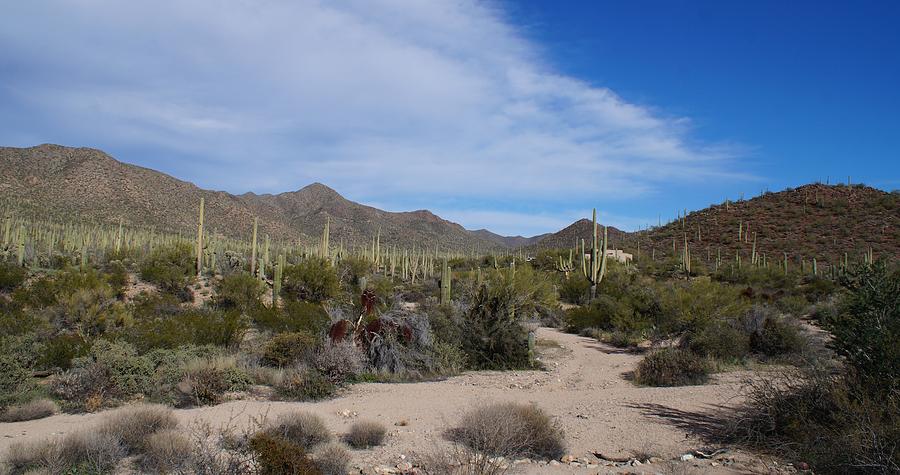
(584, 388)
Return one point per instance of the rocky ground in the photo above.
(611, 425)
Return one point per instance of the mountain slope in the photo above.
(814, 220)
(574, 233)
(64, 183)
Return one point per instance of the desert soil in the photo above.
(585, 386)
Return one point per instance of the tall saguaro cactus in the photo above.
(253, 245)
(200, 241)
(598, 256)
(324, 250)
(445, 283)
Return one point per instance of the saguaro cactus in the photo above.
(445, 283)
(276, 281)
(200, 241)
(253, 247)
(598, 256)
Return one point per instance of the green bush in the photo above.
(293, 317)
(14, 379)
(170, 267)
(311, 280)
(576, 289)
(239, 291)
(671, 367)
(287, 349)
(720, 340)
(60, 350)
(279, 456)
(11, 276)
(778, 336)
(205, 380)
(188, 327)
(494, 335)
(305, 385)
(867, 328)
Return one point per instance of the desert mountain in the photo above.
(64, 183)
(574, 233)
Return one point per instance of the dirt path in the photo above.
(584, 388)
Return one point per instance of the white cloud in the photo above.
(381, 99)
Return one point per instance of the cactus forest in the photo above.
(449, 237)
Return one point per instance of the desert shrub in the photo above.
(286, 349)
(167, 451)
(11, 276)
(305, 384)
(449, 359)
(305, 429)
(205, 380)
(495, 336)
(867, 327)
(37, 409)
(352, 269)
(75, 453)
(530, 292)
(293, 317)
(279, 456)
(128, 372)
(795, 305)
(834, 423)
(365, 434)
(339, 362)
(671, 367)
(14, 379)
(60, 350)
(575, 289)
(82, 388)
(510, 430)
(116, 275)
(239, 291)
(39, 294)
(311, 280)
(691, 306)
(133, 425)
(720, 339)
(187, 327)
(170, 267)
(771, 334)
(332, 459)
(445, 321)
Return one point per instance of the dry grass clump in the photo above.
(461, 460)
(37, 409)
(302, 428)
(671, 367)
(278, 455)
(133, 425)
(510, 430)
(167, 451)
(332, 459)
(365, 434)
(78, 452)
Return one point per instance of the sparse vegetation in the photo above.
(510, 430)
(365, 434)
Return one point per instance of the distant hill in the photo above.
(65, 184)
(575, 232)
(821, 221)
(508, 241)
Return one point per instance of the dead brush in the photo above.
(37, 409)
(510, 430)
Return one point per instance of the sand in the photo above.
(585, 387)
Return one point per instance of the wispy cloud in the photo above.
(385, 100)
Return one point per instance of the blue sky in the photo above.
(518, 116)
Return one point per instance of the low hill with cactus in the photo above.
(66, 184)
(825, 222)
